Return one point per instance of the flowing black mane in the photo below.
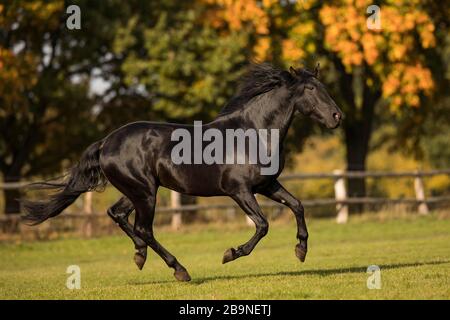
(259, 79)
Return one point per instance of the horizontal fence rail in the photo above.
(265, 204)
(363, 174)
(341, 201)
(302, 176)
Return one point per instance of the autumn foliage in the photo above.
(392, 53)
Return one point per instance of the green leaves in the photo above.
(188, 66)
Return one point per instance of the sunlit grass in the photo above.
(413, 254)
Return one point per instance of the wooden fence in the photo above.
(341, 201)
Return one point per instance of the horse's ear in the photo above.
(287, 76)
(293, 71)
(317, 70)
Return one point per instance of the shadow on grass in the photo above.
(317, 272)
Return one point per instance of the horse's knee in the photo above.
(297, 206)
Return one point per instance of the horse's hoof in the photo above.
(229, 255)
(182, 275)
(139, 259)
(300, 252)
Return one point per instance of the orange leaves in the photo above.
(403, 85)
(46, 13)
(344, 30)
(39, 14)
(305, 4)
(351, 54)
(238, 14)
(391, 84)
(347, 23)
(19, 71)
(298, 44)
(262, 48)
(397, 52)
(15, 68)
(269, 3)
(43, 9)
(369, 43)
(291, 52)
(426, 35)
(328, 15)
(17, 74)
(391, 52)
(402, 18)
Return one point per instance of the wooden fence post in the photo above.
(231, 213)
(420, 194)
(249, 221)
(340, 193)
(87, 209)
(175, 202)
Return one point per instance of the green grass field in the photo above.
(413, 254)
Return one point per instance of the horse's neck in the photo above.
(271, 110)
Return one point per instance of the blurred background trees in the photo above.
(44, 115)
(47, 108)
(62, 89)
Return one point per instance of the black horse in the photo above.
(136, 159)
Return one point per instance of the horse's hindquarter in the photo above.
(128, 155)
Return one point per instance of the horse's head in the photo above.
(312, 99)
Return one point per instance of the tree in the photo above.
(45, 71)
(180, 63)
(385, 68)
(424, 130)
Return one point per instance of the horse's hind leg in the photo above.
(143, 227)
(120, 212)
(247, 202)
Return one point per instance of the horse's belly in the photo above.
(199, 180)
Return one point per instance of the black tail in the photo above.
(86, 176)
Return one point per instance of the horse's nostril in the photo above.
(337, 116)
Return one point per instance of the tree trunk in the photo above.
(358, 131)
(10, 196)
(357, 125)
(357, 144)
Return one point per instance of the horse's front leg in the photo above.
(279, 194)
(247, 202)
